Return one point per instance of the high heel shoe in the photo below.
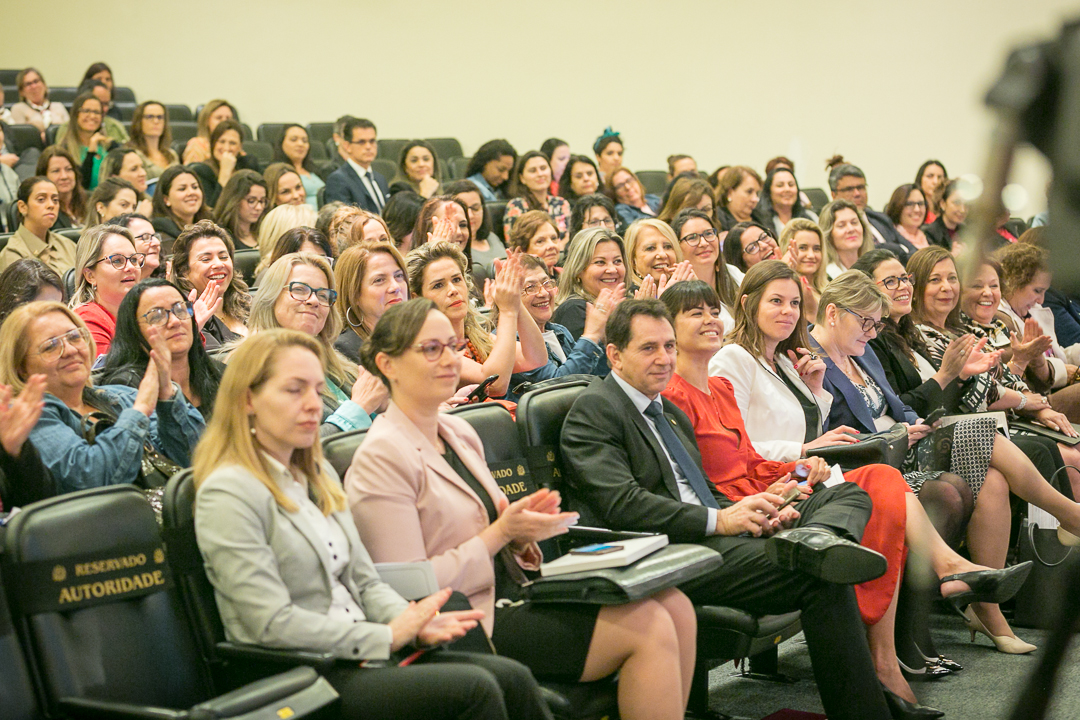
(1066, 538)
(928, 671)
(902, 709)
(942, 661)
(990, 586)
(1009, 644)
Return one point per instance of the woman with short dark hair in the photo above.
(60, 167)
(908, 210)
(738, 192)
(580, 178)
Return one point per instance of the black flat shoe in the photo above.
(946, 663)
(821, 553)
(901, 709)
(989, 586)
(925, 671)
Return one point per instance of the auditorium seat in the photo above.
(339, 448)
(318, 151)
(446, 148)
(69, 283)
(723, 633)
(23, 137)
(386, 168)
(16, 688)
(320, 132)
(115, 643)
(179, 113)
(320, 196)
(183, 131)
(245, 132)
(11, 94)
(818, 198)
(72, 234)
(50, 134)
(126, 110)
(457, 167)
(124, 94)
(390, 149)
(270, 133)
(654, 181)
(7, 77)
(261, 151)
(65, 95)
(495, 211)
(245, 260)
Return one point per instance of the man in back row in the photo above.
(633, 464)
(355, 183)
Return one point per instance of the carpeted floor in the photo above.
(985, 690)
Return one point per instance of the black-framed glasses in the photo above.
(623, 185)
(118, 261)
(868, 323)
(254, 201)
(893, 281)
(154, 117)
(920, 204)
(147, 237)
(534, 288)
(852, 188)
(301, 291)
(599, 222)
(758, 245)
(53, 348)
(694, 239)
(160, 315)
(432, 350)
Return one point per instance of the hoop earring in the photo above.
(350, 322)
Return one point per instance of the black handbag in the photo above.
(1039, 600)
(888, 447)
(670, 566)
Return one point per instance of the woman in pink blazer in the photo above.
(420, 489)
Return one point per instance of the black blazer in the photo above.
(938, 234)
(208, 177)
(894, 241)
(848, 407)
(24, 479)
(618, 475)
(903, 376)
(1066, 316)
(344, 185)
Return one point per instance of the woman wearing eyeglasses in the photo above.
(155, 306)
(699, 239)
(297, 293)
(147, 242)
(747, 244)
(908, 209)
(633, 202)
(241, 207)
(151, 137)
(47, 338)
(86, 139)
(106, 268)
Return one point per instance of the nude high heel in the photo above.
(1009, 644)
(1066, 538)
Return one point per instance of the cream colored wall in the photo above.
(729, 81)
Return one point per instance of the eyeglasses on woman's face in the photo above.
(432, 350)
(537, 287)
(893, 281)
(759, 245)
(118, 261)
(695, 239)
(52, 349)
(301, 291)
(867, 323)
(160, 315)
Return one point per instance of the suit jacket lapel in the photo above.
(300, 522)
(647, 434)
(896, 405)
(852, 396)
(358, 182)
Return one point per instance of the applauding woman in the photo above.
(420, 490)
(597, 260)
(202, 264)
(47, 338)
(260, 466)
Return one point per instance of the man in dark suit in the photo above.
(355, 183)
(848, 182)
(632, 463)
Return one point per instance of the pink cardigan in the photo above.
(409, 504)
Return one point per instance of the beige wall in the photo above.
(730, 81)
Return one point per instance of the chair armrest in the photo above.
(321, 662)
(82, 708)
(258, 694)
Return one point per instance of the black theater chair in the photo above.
(17, 698)
(723, 633)
(95, 608)
(231, 663)
(339, 448)
(245, 260)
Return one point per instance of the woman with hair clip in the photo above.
(490, 168)
(688, 193)
(47, 338)
(155, 305)
(241, 206)
(106, 268)
(178, 203)
(536, 234)
(484, 245)
(596, 261)
(226, 157)
(147, 242)
(738, 191)
(28, 280)
(267, 508)
(747, 244)
(608, 150)
(86, 139)
(284, 186)
(214, 112)
(372, 278)
(202, 262)
(420, 489)
(294, 148)
(418, 169)
(123, 163)
(580, 178)
(699, 239)
(439, 271)
(298, 293)
(781, 200)
(112, 197)
(848, 316)
(847, 235)
(530, 189)
(898, 521)
(151, 138)
(59, 166)
(801, 247)
(38, 204)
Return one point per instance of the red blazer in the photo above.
(101, 324)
